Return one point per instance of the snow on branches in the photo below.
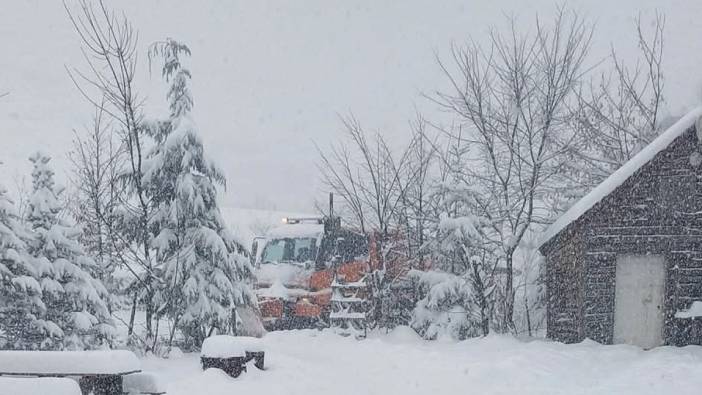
(54, 299)
(205, 270)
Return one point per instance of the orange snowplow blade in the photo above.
(306, 309)
(321, 280)
(271, 308)
(353, 271)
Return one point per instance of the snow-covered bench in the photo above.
(38, 385)
(143, 383)
(231, 353)
(99, 372)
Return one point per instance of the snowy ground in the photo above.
(311, 362)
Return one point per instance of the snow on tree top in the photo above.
(36, 385)
(622, 174)
(68, 362)
(225, 346)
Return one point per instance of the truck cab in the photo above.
(295, 264)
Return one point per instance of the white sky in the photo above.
(270, 78)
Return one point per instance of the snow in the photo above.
(694, 311)
(347, 315)
(303, 230)
(622, 174)
(311, 362)
(36, 386)
(139, 383)
(350, 299)
(357, 284)
(68, 362)
(225, 346)
(285, 273)
(402, 334)
(249, 223)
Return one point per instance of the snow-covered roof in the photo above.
(248, 223)
(303, 230)
(68, 362)
(622, 174)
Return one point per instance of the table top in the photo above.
(68, 363)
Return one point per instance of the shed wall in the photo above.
(564, 318)
(656, 211)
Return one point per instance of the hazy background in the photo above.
(270, 78)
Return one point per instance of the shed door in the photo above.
(638, 309)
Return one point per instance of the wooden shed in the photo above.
(627, 257)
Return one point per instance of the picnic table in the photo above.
(231, 353)
(38, 385)
(98, 372)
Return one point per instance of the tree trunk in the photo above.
(132, 314)
(149, 312)
(173, 329)
(509, 293)
(485, 320)
(528, 318)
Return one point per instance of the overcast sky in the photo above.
(270, 78)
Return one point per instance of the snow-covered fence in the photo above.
(231, 353)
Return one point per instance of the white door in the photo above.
(638, 307)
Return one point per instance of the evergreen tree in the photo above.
(205, 270)
(76, 315)
(458, 295)
(20, 292)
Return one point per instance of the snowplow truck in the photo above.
(295, 264)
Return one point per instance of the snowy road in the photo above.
(309, 362)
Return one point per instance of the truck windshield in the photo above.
(296, 250)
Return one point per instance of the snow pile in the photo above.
(36, 386)
(225, 346)
(623, 173)
(286, 274)
(68, 362)
(279, 291)
(139, 383)
(694, 311)
(312, 362)
(402, 334)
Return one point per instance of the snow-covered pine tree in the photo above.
(458, 295)
(76, 315)
(20, 292)
(205, 270)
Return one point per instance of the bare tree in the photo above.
(620, 113)
(415, 205)
(97, 159)
(368, 179)
(109, 44)
(23, 194)
(514, 99)
(367, 175)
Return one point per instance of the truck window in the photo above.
(297, 250)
